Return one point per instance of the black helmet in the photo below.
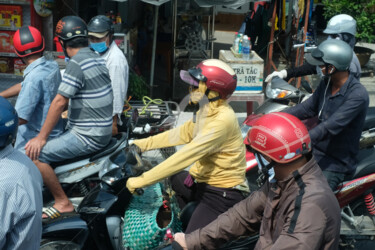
(100, 25)
(8, 123)
(70, 27)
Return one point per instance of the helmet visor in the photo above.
(197, 74)
(315, 57)
(186, 77)
(98, 35)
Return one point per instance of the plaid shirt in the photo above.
(21, 201)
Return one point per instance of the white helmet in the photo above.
(342, 23)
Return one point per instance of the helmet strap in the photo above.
(263, 170)
(64, 49)
(212, 99)
(305, 149)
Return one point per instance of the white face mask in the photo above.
(319, 72)
(271, 172)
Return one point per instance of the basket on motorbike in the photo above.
(155, 116)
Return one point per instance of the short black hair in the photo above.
(77, 42)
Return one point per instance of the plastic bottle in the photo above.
(118, 18)
(236, 44)
(234, 40)
(240, 43)
(246, 48)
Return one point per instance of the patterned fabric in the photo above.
(41, 81)
(141, 230)
(21, 201)
(87, 83)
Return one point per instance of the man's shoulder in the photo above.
(15, 165)
(44, 69)
(115, 55)
(84, 54)
(357, 87)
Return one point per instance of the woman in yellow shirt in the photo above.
(214, 146)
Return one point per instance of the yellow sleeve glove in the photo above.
(177, 136)
(207, 141)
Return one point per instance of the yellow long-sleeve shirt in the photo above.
(214, 146)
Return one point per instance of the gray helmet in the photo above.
(335, 52)
(341, 24)
(100, 25)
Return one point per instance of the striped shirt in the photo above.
(21, 201)
(87, 83)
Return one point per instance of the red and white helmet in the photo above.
(27, 41)
(280, 136)
(217, 75)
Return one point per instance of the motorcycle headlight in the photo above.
(112, 176)
(276, 93)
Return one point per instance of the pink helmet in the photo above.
(280, 136)
(217, 75)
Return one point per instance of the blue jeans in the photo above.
(334, 178)
(66, 146)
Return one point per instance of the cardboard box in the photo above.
(6, 65)
(19, 67)
(249, 72)
(10, 16)
(6, 41)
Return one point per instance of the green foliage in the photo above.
(137, 86)
(363, 11)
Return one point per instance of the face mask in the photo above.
(99, 47)
(263, 163)
(196, 94)
(319, 72)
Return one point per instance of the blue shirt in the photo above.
(21, 201)
(39, 87)
(335, 139)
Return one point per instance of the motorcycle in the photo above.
(79, 175)
(98, 223)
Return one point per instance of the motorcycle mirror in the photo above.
(306, 86)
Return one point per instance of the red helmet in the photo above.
(217, 75)
(280, 136)
(27, 41)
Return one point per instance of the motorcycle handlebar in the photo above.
(139, 191)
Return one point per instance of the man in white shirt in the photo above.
(101, 40)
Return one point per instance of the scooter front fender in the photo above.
(70, 228)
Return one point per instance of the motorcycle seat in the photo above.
(370, 119)
(366, 163)
(112, 146)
